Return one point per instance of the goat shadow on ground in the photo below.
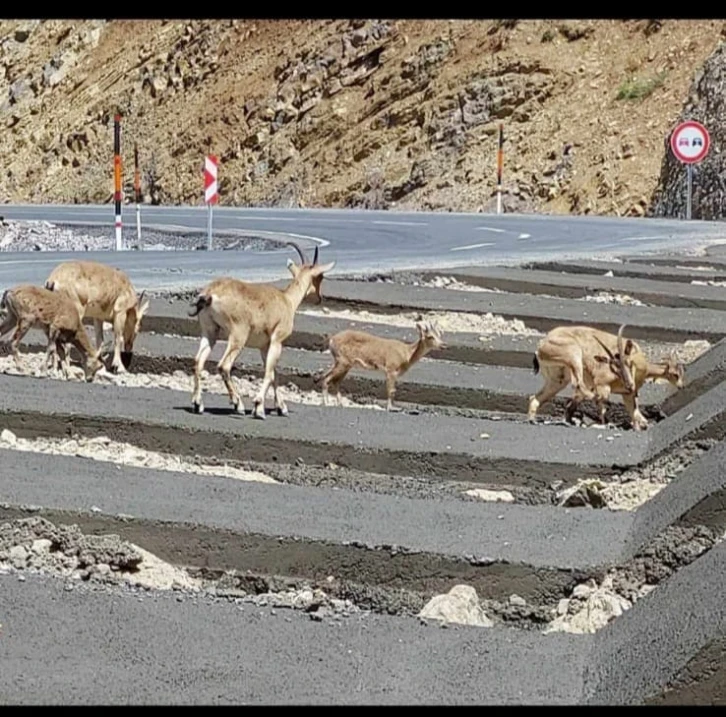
(229, 411)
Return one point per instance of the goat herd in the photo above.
(595, 363)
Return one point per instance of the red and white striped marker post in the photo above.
(211, 194)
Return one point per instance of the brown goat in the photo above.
(597, 364)
(260, 316)
(103, 293)
(351, 349)
(30, 307)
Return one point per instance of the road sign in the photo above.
(211, 195)
(690, 142)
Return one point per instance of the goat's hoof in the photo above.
(198, 407)
(259, 412)
(239, 408)
(282, 411)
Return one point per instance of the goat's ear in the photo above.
(143, 308)
(322, 268)
(602, 359)
(629, 346)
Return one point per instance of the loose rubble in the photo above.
(102, 448)
(605, 297)
(593, 605)
(460, 605)
(47, 236)
(450, 282)
(175, 381)
(449, 321)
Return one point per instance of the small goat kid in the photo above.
(597, 364)
(351, 348)
(31, 307)
(103, 293)
(255, 315)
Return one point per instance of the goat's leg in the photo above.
(20, 331)
(273, 356)
(554, 384)
(7, 324)
(391, 377)
(119, 320)
(280, 404)
(63, 356)
(235, 344)
(206, 344)
(333, 378)
(631, 406)
(98, 330)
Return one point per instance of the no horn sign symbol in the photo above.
(690, 142)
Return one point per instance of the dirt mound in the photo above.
(365, 113)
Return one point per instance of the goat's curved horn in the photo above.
(315, 255)
(627, 376)
(297, 248)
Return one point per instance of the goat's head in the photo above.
(132, 326)
(675, 371)
(623, 361)
(93, 364)
(431, 335)
(312, 272)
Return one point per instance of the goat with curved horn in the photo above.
(297, 248)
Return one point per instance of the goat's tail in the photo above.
(202, 301)
(535, 364)
(50, 285)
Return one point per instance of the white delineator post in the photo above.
(211, 195)
(137, 192)
(500, 164)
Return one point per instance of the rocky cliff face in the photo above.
(376, 113)
(706, 104)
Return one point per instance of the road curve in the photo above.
(358, 240)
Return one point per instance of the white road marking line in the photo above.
(524, 236)
(471, 246)
(490, 229)
(403, 224)
(659, 236)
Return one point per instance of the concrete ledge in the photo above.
(536, 551)
(574, 286)
(224, 656)
(637, 655)
(537, 312)
(629, 269)
(428, 445)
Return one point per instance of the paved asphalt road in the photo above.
(357, 240)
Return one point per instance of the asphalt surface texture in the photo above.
(359, 241)
(371, 497)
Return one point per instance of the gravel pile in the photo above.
(46, 236)
(449, 321)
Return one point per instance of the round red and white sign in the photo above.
(690, 142)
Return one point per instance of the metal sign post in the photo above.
(690, 143)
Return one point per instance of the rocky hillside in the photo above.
(377, 114)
